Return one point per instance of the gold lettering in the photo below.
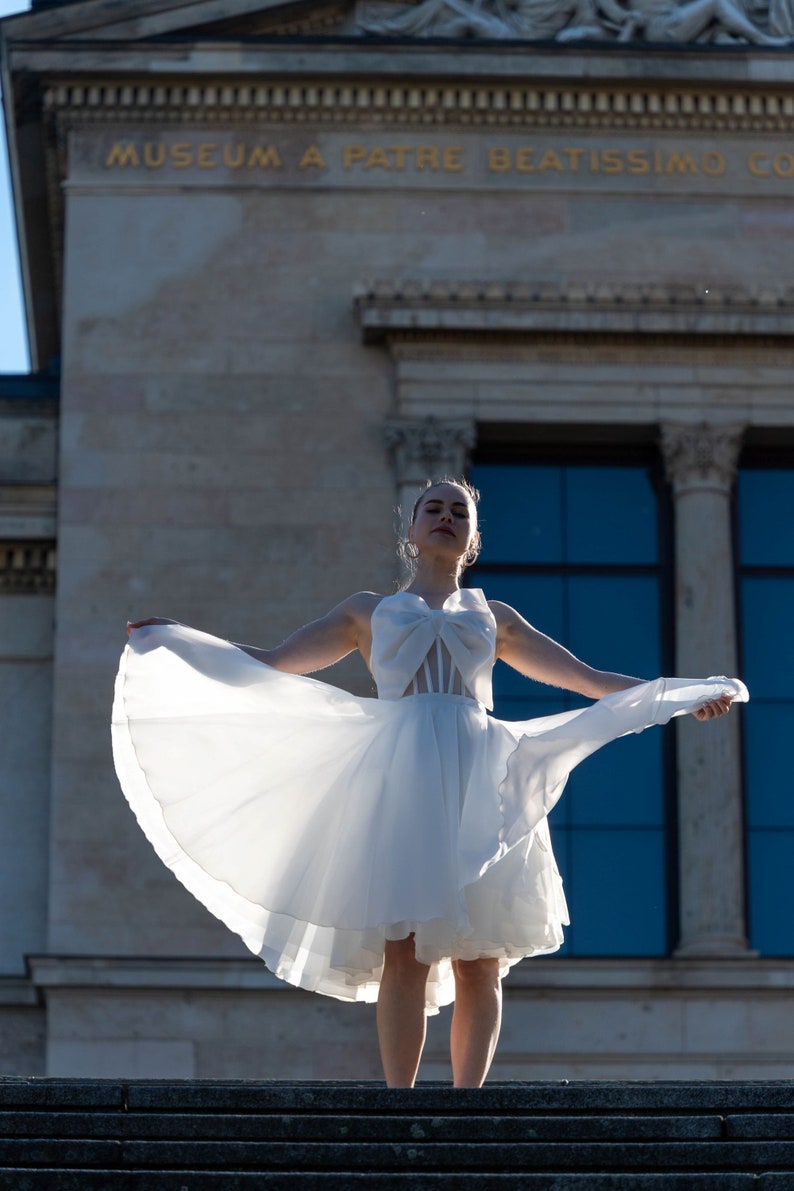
(682, 163)
(783, 165)
(234, 156)
(181, 155)
(594, 163)
(153, 155)
(638, 161)
(377, 158)
(351, 154)
(574, 157)
(612, 161)
(267, 158)
(754, 165)
(499, 161)
(206, 156)
(401, 152)
(312, 157)
(122, 155)
(427, 157)
(524, 161)
(451, 156)
(712, 164)
(550, 161)
(658, 162)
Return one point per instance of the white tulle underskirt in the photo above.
(317, 825)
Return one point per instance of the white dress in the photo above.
(317, 824)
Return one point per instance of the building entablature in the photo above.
(221, 80)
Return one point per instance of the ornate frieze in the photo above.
(720, 22)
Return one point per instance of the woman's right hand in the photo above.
(139, 624)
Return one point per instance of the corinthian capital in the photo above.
(701, 456)
(428, 448)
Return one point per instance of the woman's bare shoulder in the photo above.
(361, 604)
(504, 614)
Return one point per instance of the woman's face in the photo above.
(445, 520)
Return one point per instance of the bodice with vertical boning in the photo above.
(442, 651)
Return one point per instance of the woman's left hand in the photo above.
(714, 707)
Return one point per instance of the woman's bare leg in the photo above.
(475, 1021)
(402, 1024)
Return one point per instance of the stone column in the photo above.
(701, 465)
(426, 449)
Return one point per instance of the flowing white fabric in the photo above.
(317, 824)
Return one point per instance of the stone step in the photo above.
(395, 1128)
(80, 1135)
(579, 1096)
(435, 1098)
(486, 1157)
(231, 1180)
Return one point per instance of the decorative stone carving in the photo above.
(27, 567)
(389, 308)
(428, 448)
(721, 21)
(681, 105)
(702, 456)
(577, 293)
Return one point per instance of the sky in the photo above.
(13, 338)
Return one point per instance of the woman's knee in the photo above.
(400, 957)
(476, 973)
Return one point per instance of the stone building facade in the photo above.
(289, 267)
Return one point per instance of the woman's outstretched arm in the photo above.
(316, 645)
(325, 641)
(537, 656)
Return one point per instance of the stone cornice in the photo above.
(16, 991)
(619, 108)
(389, 309)
(395, 59)
(75, 971)
(678, 977)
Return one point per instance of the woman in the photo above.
(394, 849)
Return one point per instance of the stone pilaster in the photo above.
(701, 466)
(427, 449)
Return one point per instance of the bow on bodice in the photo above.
(405, 631)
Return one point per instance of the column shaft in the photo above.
(701, 463)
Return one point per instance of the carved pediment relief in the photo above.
(724, 22)
(721, 22)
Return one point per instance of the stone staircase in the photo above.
(144, 1135)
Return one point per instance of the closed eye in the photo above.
(433, 506)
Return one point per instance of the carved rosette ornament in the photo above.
(703, 456)
(429, 448)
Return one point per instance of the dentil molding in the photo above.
(620, 106)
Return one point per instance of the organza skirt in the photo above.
(317, 824)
